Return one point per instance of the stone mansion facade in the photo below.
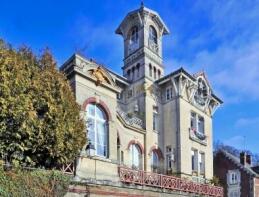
(143, 127)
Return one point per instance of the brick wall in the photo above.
(221, 166)
(256, 187)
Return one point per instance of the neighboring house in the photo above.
(236, 174)
(144, 125)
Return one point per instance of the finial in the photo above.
(142, 4)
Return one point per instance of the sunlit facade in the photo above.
(143, 120)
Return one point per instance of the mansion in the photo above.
(147, 132)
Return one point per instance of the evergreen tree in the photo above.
(40, 120)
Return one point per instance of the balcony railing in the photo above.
(197, 136)
(132, 121)
(139, 177)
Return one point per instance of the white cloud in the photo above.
(232, 60)
(247, 122)
(236, 141)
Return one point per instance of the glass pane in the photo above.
(101, 133)
(90, 110)
(100, 114)
(101, 150)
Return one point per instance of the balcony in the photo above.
(130, 120)
(198, 137)
(172, 183)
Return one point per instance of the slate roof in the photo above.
(236, 161)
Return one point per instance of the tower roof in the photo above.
(144, 11)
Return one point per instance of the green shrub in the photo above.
(25, 183)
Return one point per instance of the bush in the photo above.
(27, 183)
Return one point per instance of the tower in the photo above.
(142, 31)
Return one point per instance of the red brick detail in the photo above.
(138, 144)
(157, 150)
(100, 103)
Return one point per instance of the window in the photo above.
(200, 124)
(169, 158)
(155, 121)
(137, 67)
(122, 157)
(169, 93)
(130, 93)
(197, 123)
(233, 177)
(154, 162)
(150, 70)
(152, 34)
(133, 73)
(159, 74)
(202, 163)
(134, 35)
(97, 129)
(154, 73)
(128, 74)
(135, 156)
(193, 121)
(194, 158)
(234, 194)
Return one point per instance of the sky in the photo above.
(220, 37)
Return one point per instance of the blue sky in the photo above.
(220, 37)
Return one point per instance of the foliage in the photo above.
(38, 183)
(236, 152)
(40, 120)
(215, 181)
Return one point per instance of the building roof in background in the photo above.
(236, 160)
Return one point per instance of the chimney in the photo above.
(242, 158)
(245, 159)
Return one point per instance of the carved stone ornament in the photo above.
(100, 75)
(202, 92)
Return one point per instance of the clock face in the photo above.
(201, 94)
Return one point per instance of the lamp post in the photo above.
(90, 149)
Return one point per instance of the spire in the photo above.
(142, 4)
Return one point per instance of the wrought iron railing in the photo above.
(197, 136)
(139, 177)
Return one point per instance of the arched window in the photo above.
(137, 67)
(97, 129)
(154, 161)
(159, 74)
(154, 73)
(134, 35)
(128, 74)
(135, 156)
(133, 73)
(150, 70)
(152, 34)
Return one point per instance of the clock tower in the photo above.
(142, 31)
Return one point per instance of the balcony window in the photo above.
(200, 124)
